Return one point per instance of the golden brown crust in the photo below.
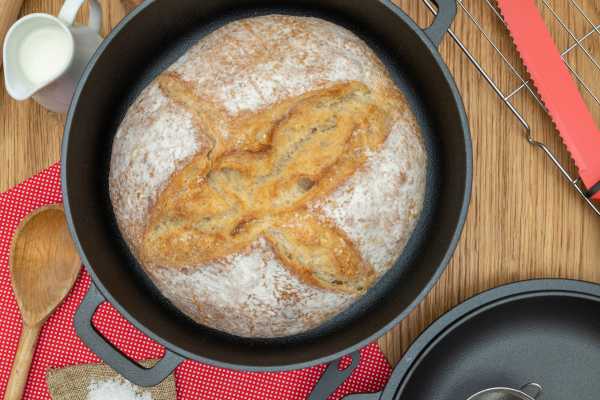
(296, 151)
(318, 252)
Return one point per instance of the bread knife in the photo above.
(556, 88)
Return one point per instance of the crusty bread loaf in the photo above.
(270, 176)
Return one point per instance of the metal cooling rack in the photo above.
(525, 84)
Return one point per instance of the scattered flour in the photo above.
(114, 389)
(378, 207)
(155, 139)
(300, 55)
(250, 294)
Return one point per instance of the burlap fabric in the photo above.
(72, 383)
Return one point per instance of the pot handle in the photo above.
(443, 20)
(532, 389)
(332, 378)
(113, 357)
(70, 8)
(368, 396)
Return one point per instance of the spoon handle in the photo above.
(9, 11)
(20, 369)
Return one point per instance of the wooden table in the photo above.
(524, 221)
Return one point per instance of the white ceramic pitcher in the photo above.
(44, 56)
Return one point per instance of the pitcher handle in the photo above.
(69, 10)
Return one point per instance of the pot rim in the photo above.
(455, 102)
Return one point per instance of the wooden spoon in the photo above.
(9, 11)
(44, 265)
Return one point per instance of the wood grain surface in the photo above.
(524, 221)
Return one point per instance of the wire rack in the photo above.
(591, 32)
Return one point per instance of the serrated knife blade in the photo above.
(556, 88)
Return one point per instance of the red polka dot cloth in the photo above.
(59, 346)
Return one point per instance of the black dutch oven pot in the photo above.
(140, 47)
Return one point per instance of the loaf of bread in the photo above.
(270, 176)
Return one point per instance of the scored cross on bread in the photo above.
(260, 184)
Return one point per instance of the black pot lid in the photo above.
(544, 331)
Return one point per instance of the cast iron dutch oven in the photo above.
(145, 43)
(545, 331)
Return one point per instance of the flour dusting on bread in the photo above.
(378, 207)
(154, 140)
(269, 59)
(250, 294)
